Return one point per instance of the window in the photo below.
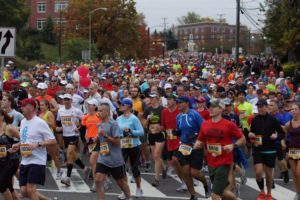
(60, 6)
(41, 7)
(57, 20)
(40, 24)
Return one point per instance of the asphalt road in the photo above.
(80, 189)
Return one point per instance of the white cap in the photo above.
(10, 62)
(92, 102)
(67, 96)
(170, 78)
(249, 82)
(61, 96)
(231, 82)
(85, 91)
(70, 86)
(42, 86)
(183, 79)
(63, 82)
(168, 85)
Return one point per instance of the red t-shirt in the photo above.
(52, 91)
(215, 136)
(204, 114)
(168, 122)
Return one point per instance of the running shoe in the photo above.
(297, 197)
(269, 197)
(122, 196)
(107, 184)
(155, 183)
(286, 177)
(66, 181)
(86, 173)
(139, 192)
(243, 179)
(93, 188)
(273, 184)
(261, 196)
(182, 187)
(194, 198)
(59, 175)
(237, 189)
(132, 180)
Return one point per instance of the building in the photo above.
(40, 10)
(209, 36)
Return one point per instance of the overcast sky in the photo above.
(156, 10)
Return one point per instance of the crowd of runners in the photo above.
(191, 116)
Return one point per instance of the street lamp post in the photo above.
(90, 28)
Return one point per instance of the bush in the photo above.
(289, 68)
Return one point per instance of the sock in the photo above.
(79, 163)
(69, 169)
(260, 183)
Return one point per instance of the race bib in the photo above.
(25, 150)
(104, 148)
(170, 135)
(185, 149)
(3, 151)
(126, 142)
(258, 140)
(91, 147)
(66, 120)
(294, 153)
(214, 149)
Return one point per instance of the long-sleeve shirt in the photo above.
(263, 126)
(134, 124)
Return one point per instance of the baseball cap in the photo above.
(42, 86)
(183, 79)
(14, 81)
(27, 101)
(168, 86)
(262, 102)
(92, 102)
(201, 100)
(232, 82)
(63, 82)
(67, 96)
(153, 95)
(127, 102)
(85, 91)
(70, 86)
(183, 99)
(204, 90)
(217, 103)
(227, 101)
(171, 96)
(170, 79)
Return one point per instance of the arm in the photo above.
(51, 120)
(138, 128)
(54, 105)
(13, 131)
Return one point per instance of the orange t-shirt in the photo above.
(91, 123)
(46, 97)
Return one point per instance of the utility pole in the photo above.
(221, 32)
(60, 35)
(237, 33)
(165, 36)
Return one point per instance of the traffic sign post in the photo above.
(7, 46)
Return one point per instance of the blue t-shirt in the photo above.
(283, 118)
(189, 125)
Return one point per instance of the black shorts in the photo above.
(174, 153)
(279, 152)
(158, 137)
(262, 158)
(7, 172)
(95, 147)
(33, 174)
(72, 140)
(116, 172)
(195, 160)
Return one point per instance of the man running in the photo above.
(110, 160)
(216, 135)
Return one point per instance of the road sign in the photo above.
(7, 42)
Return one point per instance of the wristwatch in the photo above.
(39, 144)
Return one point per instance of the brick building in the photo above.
(40, 10)
(211, 35)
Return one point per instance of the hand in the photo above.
(283, 145)
(149, 116)
(33, 146)
(15, 147)
(228, 148)
(197, 145)
(251, 135)
(273, 136)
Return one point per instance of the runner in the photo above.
(130, 131)
(168, 121)
(188, 124)
(69, 118)
(9, 160)
(91, 121)
(49, 118)
(293, 128)
(216, 135)
(9, 105)
(265, 129)
(35, 137)
(110, 160)
(152, 116)
(43, 95)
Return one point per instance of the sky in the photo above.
(156, 10)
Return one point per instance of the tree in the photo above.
(113, 31)
(14, 13)
(48, 32)
(73, 48)
(192, 18)
(282, 28)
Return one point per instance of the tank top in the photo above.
(6, 143)
(45, 117)
(295, 136)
